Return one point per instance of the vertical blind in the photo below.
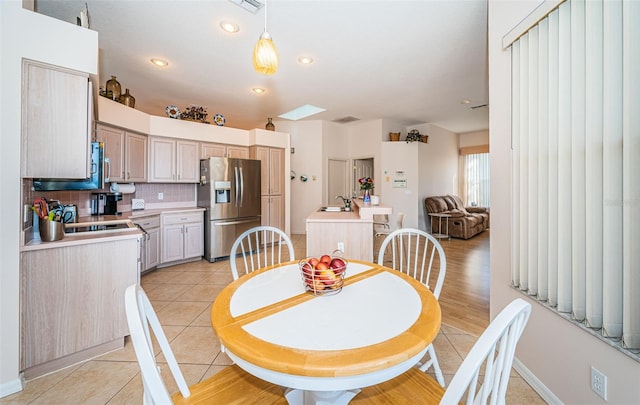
(476, 179)
(576, 164)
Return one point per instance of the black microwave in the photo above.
(94, 182)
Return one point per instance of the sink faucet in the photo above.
(346, 201)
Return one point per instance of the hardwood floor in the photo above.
(464, 299)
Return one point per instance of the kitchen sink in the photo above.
(332, 209)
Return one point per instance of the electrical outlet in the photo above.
(341, 246)
(599, 383)
(160, 196)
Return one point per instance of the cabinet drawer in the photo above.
(148, 222)
(182, 218)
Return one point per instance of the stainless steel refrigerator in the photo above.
(230, 191)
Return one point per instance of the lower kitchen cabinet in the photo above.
(150, 255)
(272, 211)
(72, 302)
(182, 236)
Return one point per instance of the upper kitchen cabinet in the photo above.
(272, 169)
(208, 150)
(173, 161)
(56, 122)
(272, 184)
(127, 154)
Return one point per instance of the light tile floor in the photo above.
(182, 296)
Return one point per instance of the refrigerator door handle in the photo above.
(241, 186)
(225, 223)
(235, 169)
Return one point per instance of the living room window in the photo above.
(476, 179)
(576, 142)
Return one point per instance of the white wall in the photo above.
(306, 138)
(473, 138)
(558, 353)
(41, 41)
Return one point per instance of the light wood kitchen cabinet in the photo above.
(56, 122)
(221, 150)
(72, 302)
(127, 154)
(173, 161)
(150, 253)
(182, 236)
(272, 184)
(272, 208)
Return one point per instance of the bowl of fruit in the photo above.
(323, 275)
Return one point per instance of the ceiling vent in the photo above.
(346, 120)
(249, 5)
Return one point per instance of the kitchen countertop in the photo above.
(82, 238)
(361, 213)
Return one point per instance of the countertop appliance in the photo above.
(95, 182)
(229, 191)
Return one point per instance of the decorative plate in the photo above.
(219, 120)
(172, 111)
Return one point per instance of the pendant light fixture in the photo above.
(265, 54)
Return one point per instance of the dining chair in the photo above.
(232, 385)
(495, 349)
(415, 252)
(260, 246)
(381, 226)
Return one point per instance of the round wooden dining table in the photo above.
(324, 349)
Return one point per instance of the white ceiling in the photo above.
(409, 61)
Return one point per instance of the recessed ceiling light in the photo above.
(229, 27)
(305, 60)
(258, 90)
(465, 101)
(159, 62)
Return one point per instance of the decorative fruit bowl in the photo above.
(323, 275)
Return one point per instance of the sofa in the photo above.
(464, 222)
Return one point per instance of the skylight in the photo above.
(302, 112)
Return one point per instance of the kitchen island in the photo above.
(349, 231)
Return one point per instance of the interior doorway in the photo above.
(338, 182)
(362, 168)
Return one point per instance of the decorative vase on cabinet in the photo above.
(113, 89)
(270, 126)
(127, 99)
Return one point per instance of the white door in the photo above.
(362, 168)
(338, 181)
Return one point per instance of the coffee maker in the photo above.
(105, 203)
(111, 204)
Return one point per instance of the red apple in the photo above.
(321, 266)
(337, 265)
(325, 259)
(313, 261)
(307, 269)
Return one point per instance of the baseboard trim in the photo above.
(535, 383)
(11, 387)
